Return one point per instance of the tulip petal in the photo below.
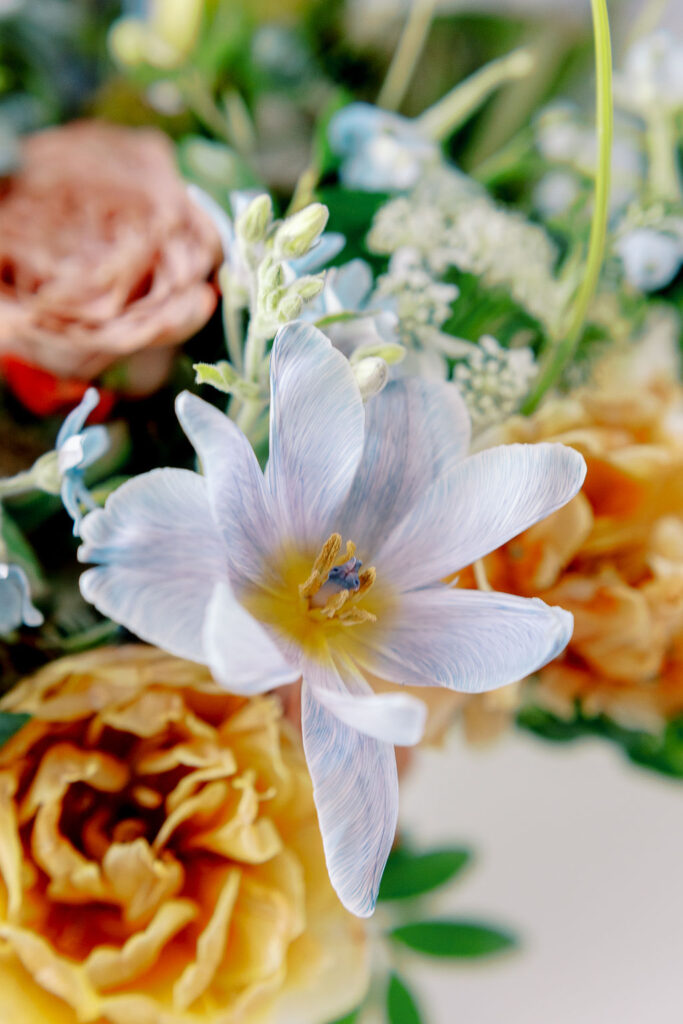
(316, 431)
(239, 652)
(478, 505)
(415, 431)
(236, 487)
(396, 718)
(159, 555)
(467, 640)
(355, 788)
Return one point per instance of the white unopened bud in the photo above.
(290, 307)
(253, 224)
(371, 375)
(309, 287)
(296, 234)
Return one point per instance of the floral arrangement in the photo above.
(302, 467)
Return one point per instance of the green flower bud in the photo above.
(290, 307)
(308, 287)
(296, 234)
(253, 224)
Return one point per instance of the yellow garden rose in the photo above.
(614, 555)
(160, 858)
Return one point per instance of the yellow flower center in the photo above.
(314, 604)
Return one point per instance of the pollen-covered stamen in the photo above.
(322, 565)
(335, 584)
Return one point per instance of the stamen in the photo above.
(336, 583)
(365, 580)
(321, 566)
(335, 603)
(354, 617)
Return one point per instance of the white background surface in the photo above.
(582, 855)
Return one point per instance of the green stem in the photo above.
(561, 354)
(407, 54)
(441, 119)
(18, 484)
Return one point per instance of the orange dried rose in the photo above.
(160, 858)
(614, 555)
(103, 256)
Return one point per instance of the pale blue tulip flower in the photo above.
(247, 572)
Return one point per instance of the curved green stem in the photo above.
(562, 353)
(407, 54)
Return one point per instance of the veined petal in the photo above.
(355, 788)
(478, 505)
(239, 652)
(321, 252)
(237, 492)
(415, 431)
(158, 556)
(466, 640)
(396, 718)
(316, 431)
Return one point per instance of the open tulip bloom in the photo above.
(328, 567)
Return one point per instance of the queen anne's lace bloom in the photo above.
(329, 566)
(453, 223)
(494, 380)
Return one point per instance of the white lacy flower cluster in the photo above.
(494, 381)
(421, 303)
(453, 223)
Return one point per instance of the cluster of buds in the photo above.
(269, 249)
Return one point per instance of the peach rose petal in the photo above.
(108, 968)
(63, 978)
(10, 847)
(211, 947)
(138, 880)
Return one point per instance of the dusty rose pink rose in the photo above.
(103, 257)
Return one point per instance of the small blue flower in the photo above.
(651, 258)
(76, 450)
(15, 600)
(381, 151)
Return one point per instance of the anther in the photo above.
(321, 567)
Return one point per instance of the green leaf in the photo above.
(350, 1018)
(409, 874)
(401, 1005)
(10, 723)
(448, 938)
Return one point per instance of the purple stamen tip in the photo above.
(346, 575)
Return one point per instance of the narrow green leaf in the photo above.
(408, 874)
(10, 723)
(449, 938)
(350, 1018)
(401, 1005)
